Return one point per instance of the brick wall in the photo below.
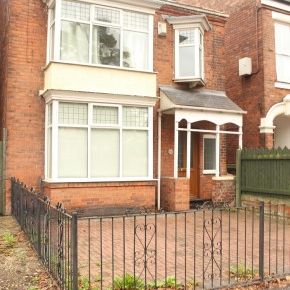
(24, 109)
(214, 50)
(92, 195)
(177, 194)
(224, 190)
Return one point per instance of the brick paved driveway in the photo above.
(199, 246)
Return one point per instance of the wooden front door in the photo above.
(194, 166)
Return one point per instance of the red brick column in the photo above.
(269, 140)
(175, 194)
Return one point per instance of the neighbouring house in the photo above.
(258, 68)
(116, 103)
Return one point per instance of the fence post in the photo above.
(261, 239)
(74, 248)
(38, 229)
(238, 177)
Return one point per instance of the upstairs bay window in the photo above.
(86, 33)
(189, 47)
(282, 39)
(188, 54)
(96, 142)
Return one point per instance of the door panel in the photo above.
(194, 167)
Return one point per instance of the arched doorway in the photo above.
(282, 131)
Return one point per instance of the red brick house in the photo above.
(116, 103)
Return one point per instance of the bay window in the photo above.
(96, 142)
(282, 39)
(188, 53)
(86, 33)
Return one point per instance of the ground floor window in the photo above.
(209, 154)
(98, 142)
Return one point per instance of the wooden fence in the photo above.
(263, 171)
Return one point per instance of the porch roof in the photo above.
(203, 99)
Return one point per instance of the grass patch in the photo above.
(242, 271)
(9, 240)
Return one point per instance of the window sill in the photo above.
(96, 180)
(99, 66)
(193, 80)
(209, 172)
(224, 178)
(282, 85)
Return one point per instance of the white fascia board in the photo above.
(276, 4)
(281, 17)
(146, 6)
(189, 21)
(85, 97)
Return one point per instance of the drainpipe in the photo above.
(159, 161)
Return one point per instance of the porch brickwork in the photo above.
(175, 194)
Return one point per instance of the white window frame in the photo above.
(280, 18)
(56, 4)
(199, 53)
(206, 171)
(54, 142)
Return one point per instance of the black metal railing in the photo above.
(51, 231)
(200, 249)
(207, 248)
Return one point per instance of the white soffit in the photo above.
(276, 4)
(188, 21)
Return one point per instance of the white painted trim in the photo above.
(176, 137)
(150, 142)
(54, 141)
(73, 63)
(217, 144)
(217, 118)
(281, 17)
(224, 178)
(45, 140)
(101, 180)
(276, 4)
(159, 159)
(188, 151)
(267, 123)
(87, 97)
(151, 43)
(57, 30)
(144, 6)
(190, 21)
(209, 171)
(240, 137)
(282, 85)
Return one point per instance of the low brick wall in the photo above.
(96, 195)
(224, 189)
(175, 194)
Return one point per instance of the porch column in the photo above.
(241, 138)
(175, 173)
(217, 173)
(188, 150)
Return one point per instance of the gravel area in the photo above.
(19, 266)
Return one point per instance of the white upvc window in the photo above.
(282, 41)
(98, 142)
(86, 33)
(209, 154)
(189, 51)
